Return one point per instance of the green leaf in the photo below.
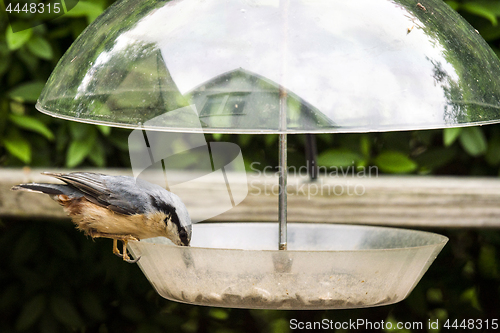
(31, 312)
(365, 145)
(18, 147)
(79, 130)
(105, 130)
(79, 149)
(280, 325)
(450, 135)
(425, 137)
(27, 92)
(17, 107)
(4, 49)
(453, 4)
(395, 162)
(487, 262)
(434, 295)
(87, 9)
(480, 9)
(31, 124)
(119, 142)
(62, 137)
(218, 313)
(470, 296)
(16, 40)
(15, 74)
(40, 47)
(244, 139)
(98, 155)
(493, 154)
(326, 137)
(30, 61)
(392, 322)
(4, 64)
(338, 157)
(436, 157)
(65, 312)
(473, 141)
(270, 139)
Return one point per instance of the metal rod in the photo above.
(282, 193)
(283, 124)
(282, 170)
(311, 157)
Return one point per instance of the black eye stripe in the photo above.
(167, 209)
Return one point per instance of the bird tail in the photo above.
(52, 189)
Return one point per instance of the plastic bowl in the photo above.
(326, 266)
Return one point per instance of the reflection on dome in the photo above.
(239, 99)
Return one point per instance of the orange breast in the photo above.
(90, 217)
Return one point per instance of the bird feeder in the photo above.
(280, 67)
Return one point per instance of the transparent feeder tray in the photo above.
(326, 266)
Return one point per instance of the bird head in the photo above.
(176, 220)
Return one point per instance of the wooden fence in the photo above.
(409, 201)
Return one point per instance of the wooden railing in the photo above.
(410, 201)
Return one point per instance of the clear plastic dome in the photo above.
(277, 66)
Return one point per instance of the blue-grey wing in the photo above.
(50, 189)
(117, 193)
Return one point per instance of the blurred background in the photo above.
(54, 279)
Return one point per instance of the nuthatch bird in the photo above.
(118, 207)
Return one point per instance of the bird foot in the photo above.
(124, 255)
(116, 237)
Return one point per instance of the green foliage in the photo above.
(40, 47)
(338, 157)
(493, 154)
(30, 138)
(27, 92)
(17, 40)
(88, 9)
(473, 141)
(450, 135)
(81, 145)
(18, 146)
(31, 124)
(395, 162)
(27, 137)
(486, 9)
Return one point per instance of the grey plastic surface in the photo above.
(326, 266)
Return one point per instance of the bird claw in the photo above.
(126, 258)
(123, 255)
(132, 261)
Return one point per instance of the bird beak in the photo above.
(185, 237)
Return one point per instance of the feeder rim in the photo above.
(332, 130)
(442, 240)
